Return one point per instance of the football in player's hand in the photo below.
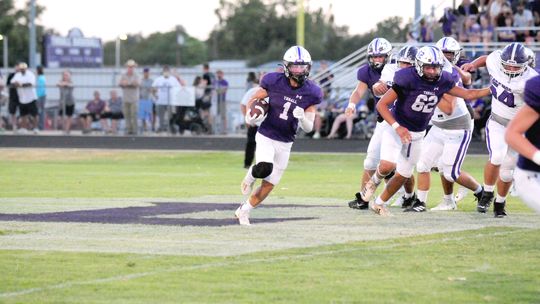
(259, 108)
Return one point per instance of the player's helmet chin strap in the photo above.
(307, 122)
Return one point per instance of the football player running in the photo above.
(509, 70)
(446, 144)
(418, 91)
(403, 59)
(378, 55)
(523, 135)
(292, 100)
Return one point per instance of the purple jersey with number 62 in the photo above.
(280, 123)
(417, 98)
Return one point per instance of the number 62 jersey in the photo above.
(417, 98)
(507, 93)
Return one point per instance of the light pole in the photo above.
(117, 50)
(117, 56)
(5, 50)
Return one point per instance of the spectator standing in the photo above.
(210, 79)
(146, 116)
(251, 144)
(129, 82)
(113, 111)
(13, 104)
(426, 31)
(25, 82)
(41, 92)
(222, 85)
(93, 112)
(162, 89)
(447, 21)
(67, 101)
(251, 81)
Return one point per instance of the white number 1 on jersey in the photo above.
(283, 114)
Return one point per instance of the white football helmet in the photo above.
(429, 56)
(297, 64)
(378, 47)
(532, 57)
(514, 59)
(450, 45)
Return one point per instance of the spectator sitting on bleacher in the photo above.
(523, 18)
(349, 120)
(113, 111)
(92, 113)
(486, 29)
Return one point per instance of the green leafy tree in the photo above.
(158, 48)
(14, 25)
(260, 31)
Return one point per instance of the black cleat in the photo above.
(408, 202)
(478, 195)
(358, 203)
(498, 209)
(484, 202)
(418, 206)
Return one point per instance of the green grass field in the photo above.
(321, 252)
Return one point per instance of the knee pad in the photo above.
(497, 157)
(422, 167)
(506, 175)
(370, 163)
(262, 170)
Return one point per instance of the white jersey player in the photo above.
(509, 70)
(446, 144)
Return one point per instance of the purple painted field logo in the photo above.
(149, 215)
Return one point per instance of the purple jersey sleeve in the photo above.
(363, 74)
(532, 93)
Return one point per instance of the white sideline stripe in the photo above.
(238, 262)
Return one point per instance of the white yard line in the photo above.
(240, 262)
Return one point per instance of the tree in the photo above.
(260, 31)
(14, 25)
(158, 48)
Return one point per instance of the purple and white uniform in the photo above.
(280, 124)
(447, 142)
(369, 76)
(527, 173)
(413, 109)
(278, 130)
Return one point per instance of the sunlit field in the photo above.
(96, 226)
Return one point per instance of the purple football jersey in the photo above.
(369, 76)
(532, 99)
(417, 98)
(280, 123)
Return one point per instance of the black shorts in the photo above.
(95, 117)
(28, 109)
(12, 106)
(113, 116)
(69, 110)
